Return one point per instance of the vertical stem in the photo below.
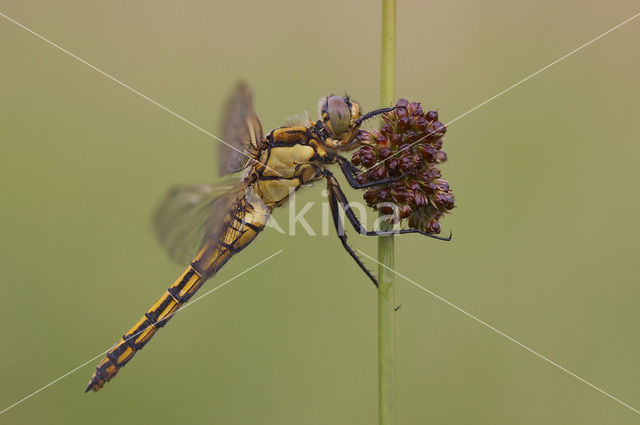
(386, 302)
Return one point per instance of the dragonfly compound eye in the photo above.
(336, 114)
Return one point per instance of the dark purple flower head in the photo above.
(409, 142)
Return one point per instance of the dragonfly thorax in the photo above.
(291, 158)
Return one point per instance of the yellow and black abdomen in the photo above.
(140, 333)
(240, 226)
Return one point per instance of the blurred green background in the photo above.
(545, 233)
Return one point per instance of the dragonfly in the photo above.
(203, 226)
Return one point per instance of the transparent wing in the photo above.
(242, 130)
(298, 120)
(192, 213)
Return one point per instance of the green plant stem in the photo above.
(386, 302)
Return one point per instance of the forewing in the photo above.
(242, 130)
(192, 213)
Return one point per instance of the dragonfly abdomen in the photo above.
(154, 318)
(246, 218)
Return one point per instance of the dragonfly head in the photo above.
(339, 115)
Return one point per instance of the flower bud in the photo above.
(413, 185)
(442, 185)
(403, 124)
(384, 153)
(432, 115)
(368, 159)
(421, 126)
(363, 136)
(400, 195)
(404, 211)
(401, 113)
(432, 226)
(406, 163)
(419, 199)
(384, 194)
(392, 165)
(415, 108)
(370, 196)
(438, 128)
(443, 200)
(385, 208)
(379, 172)
(427, 152)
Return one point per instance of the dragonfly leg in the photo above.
(375, 113)
(333, 202)
(336, 192)
(350, 171)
